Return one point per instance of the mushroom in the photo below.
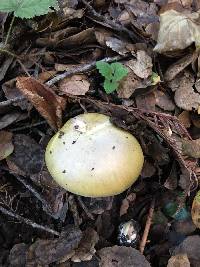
(91, 157)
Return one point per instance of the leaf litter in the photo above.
(48, 75)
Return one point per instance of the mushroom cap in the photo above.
(91, 157)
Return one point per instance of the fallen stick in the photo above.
(147, 226)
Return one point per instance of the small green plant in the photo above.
(113, 74)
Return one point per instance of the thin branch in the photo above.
(147, 226)
(80, 69)
(75, 70)
(29, 222)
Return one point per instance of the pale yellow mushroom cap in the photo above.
(91, 157)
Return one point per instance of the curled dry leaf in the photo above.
(118, 256)
(177, 31)
(6, 146)
(75, 85)
(179, 260)
(86, 250)
(49, 105)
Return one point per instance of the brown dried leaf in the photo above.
(184, 118)
(146, 101)
(178, 66)
(44, 252)
(179, 260)
(191, 148)
(163, 100)
(75, 85)
(118, 256)
(177, 31)
(6, 146)
(131, 83)
(28, 155)
(86, 250)
(49, 105)
(119, 46)
(142, 66)
(11, 92)
(185, 97)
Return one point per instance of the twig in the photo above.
(29, 222)
(11, 101)
(80, 69)
(113, 25)
(34, 192)
(147, 226)
(75, 70)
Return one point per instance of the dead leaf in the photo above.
(185, 97)
(46, 251)
(184, 118)
(11, 117)
(177, 31)
(75, 85)
(49, 105)
(130, 84)
(179, 260)
(191, 148)
(195, 211)
(178, 66)
(163, 100)
(28, 155)
(191, 247)
(6, 145)
(11, 92)
(86, 250)
(126, 203)
(119, 46)
(142, 66)
(146, 101)
(118, 256)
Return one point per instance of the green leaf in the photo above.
(110, 86)
(119, 71)
(105, 69)
(113, 73)
(27, 8)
